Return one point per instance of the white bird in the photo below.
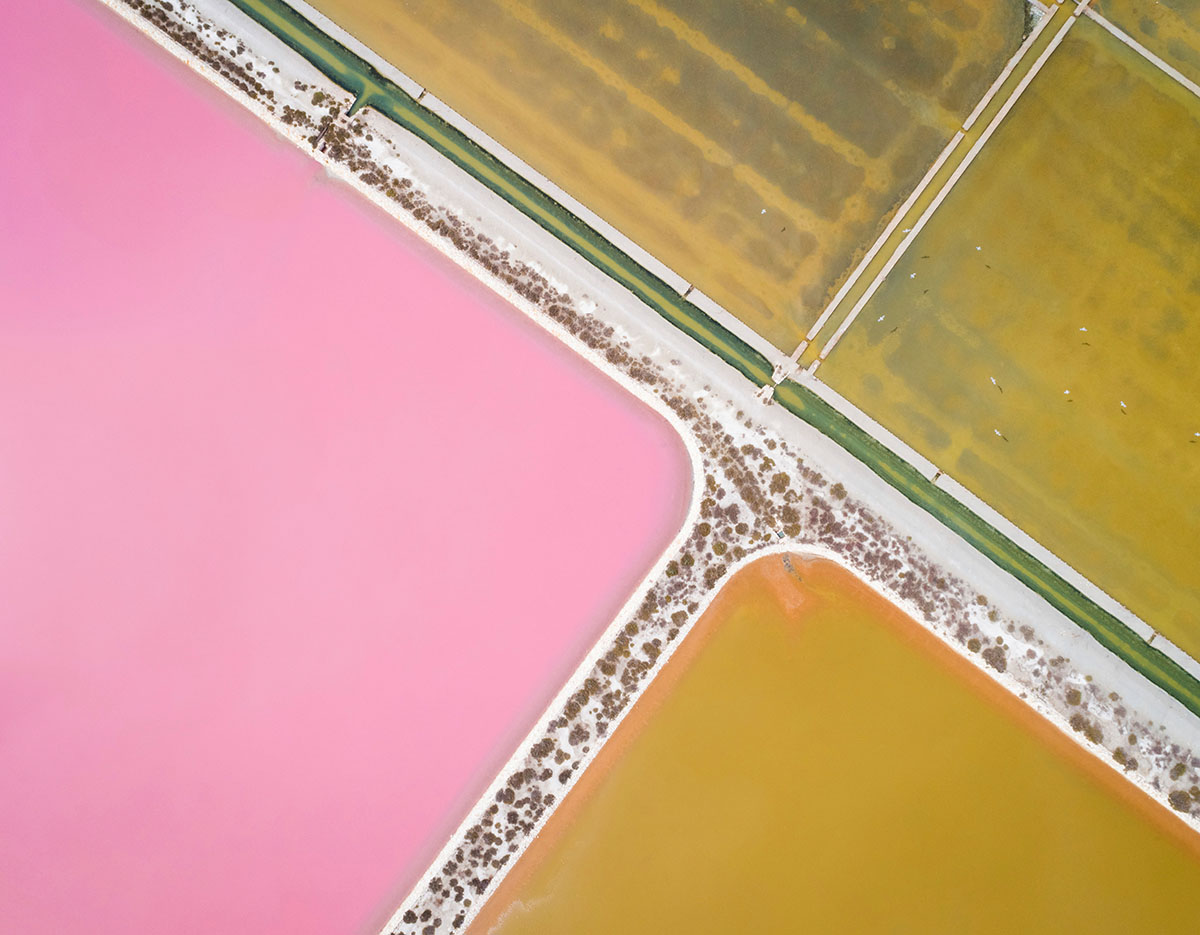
(979, 248)
(1083, 329)
(881, 318)
(993, 379)
(912, 275)
(1066, 392)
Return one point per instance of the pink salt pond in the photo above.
(300, 528)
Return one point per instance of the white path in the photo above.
(1144, 52)
(946, 189)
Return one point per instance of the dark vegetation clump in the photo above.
(994, 657)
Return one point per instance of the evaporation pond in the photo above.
(302, 527)
(812, 760)
(756, 149)
(1038, 343)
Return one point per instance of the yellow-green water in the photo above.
(1064, 266)
(810, 760)
(1168, 28)
(755, 148)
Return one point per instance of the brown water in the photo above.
(812, 760)
(755, 148)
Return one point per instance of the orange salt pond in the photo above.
(812, 759)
